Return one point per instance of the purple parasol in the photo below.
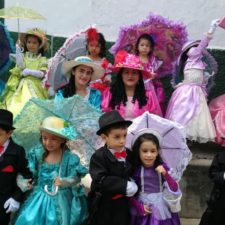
(168, 35)
(173, 148)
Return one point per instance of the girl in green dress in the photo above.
(25, 79)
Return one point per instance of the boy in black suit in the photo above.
(12, 162)
(110, 171)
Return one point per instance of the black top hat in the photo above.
(111, 118)
(6, 118)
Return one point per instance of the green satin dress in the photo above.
(20, 89)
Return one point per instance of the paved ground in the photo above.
(189, 221)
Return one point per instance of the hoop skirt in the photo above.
(188, 106)
(20, 89)
(68, 206)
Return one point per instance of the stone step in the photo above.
(195, 184)
(189, 221)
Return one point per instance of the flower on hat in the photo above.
(126, 60)
(92, 35)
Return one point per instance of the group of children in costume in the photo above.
(126, 186)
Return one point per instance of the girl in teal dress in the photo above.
(57, 198)
(25, 79)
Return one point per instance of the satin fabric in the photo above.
(217, 110)
(68, 206)
(152, 105)
(20, 89)
(188, 106)
(151, 195)
(195, 55)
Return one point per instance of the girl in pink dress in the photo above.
(96, 50)
(144, 49)
(128, 94)
(188, 103)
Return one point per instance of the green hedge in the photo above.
(219, 55)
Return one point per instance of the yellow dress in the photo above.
(20, 89)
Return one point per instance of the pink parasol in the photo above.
(169, 37)
(73, 47)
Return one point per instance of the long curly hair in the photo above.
(41, 50)
(135, 156)
(118, 92)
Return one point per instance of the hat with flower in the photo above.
(40, 34)
(58, 127)
(126, 60)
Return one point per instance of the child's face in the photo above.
(32, 44)
(52, 142)
(148, 153)
(115, 139)
(144, 47)
(4, 136)
(130, 77)
(94, 48)
(82, 75)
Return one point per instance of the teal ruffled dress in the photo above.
(68, 206)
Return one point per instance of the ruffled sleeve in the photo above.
(34, 157)
(72, 170)
(43, 63)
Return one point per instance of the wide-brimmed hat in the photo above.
(111, 118)
(6, 118)
(37, 33)
(185, 47)
(98, 71)
(130, 61)
(58, 127)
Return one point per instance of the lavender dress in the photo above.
(148, 182)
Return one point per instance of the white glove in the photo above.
(12, 205)
(51, 91)
(34, 73)
(213, 26)
(19, 57)
(131, 188)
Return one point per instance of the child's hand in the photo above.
(147, 210)
(213, 26)
(160, 169)
(153, 75)
(58, 181)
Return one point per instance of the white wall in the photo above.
(65, 17)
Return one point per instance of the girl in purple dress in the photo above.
(151, 175)
(188, 103)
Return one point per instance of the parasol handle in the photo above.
(53, 193)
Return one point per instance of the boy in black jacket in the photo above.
(110, 171)
(12, 162)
